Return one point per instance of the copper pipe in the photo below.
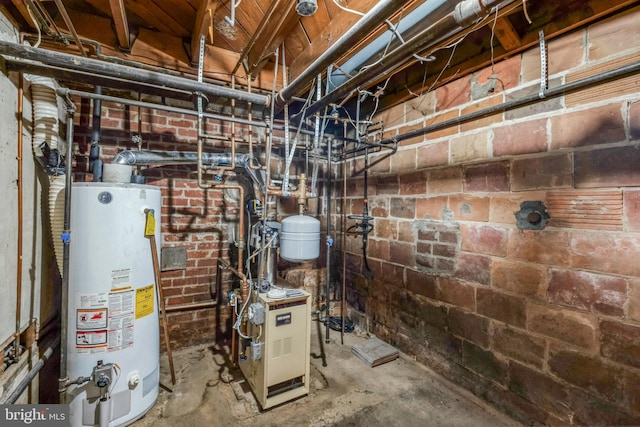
(244, 288)
(232, 138)
(302, 192)
(16, 345)
(69, 24)
(250, 118)
(240, 275)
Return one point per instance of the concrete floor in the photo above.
(347, 392)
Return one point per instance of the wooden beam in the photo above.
(161, 50)
(202, 26)
(506, 34)
(120, 21)
(22, 8)
(273, 36)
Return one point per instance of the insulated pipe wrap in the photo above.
(56, 215)
(468, 11)
(45, 113)
(188, 158)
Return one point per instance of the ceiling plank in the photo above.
(232, 37)
(202, 26)
(120, 21)
(181, 11)
(273, 36)
(158, 18)
(506, 34)
(341, 22)
(160, 50)
(315, 24)
(101, 6)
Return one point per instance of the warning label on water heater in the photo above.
(105, 321)
(90, 338)
(91, 318)
(121, 318)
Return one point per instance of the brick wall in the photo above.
(203, 222)
(543, 324)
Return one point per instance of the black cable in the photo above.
(335, 322)
(365, 215)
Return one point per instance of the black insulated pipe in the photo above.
(95, 164)
(73, 62)
(510, 105)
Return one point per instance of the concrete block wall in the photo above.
(544, 324)
(40, 284)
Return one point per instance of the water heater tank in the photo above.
(300, 238)
(113, 312)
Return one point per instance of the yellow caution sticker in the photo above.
(144, 301)
(150, 226)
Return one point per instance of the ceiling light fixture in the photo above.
(306, 7)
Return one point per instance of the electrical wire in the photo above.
(480, 22)
(493, 31)
(526, 13)
(346, 9)
(35, 24)
(118, 371)
(236, 325)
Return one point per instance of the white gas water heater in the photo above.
(113, 335)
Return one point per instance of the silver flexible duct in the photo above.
(243, 160)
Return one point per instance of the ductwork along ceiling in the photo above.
(393, 50)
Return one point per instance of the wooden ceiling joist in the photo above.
(159, 18)
(202, 26)
(273, 37)
(22, 8)
(506, 34)
(120, 22)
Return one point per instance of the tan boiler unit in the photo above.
(276, 364)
